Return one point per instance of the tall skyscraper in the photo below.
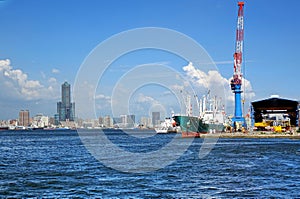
(66, 109)
(24, 119)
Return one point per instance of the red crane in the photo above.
(236, 82)
(239, 45)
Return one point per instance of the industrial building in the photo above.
(275, 112)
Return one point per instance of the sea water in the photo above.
(52, 164)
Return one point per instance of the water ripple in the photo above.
(57, 165)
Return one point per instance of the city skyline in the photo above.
(40, 48)
(66, 112)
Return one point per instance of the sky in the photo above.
(44, 43)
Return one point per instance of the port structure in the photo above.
(236, 82)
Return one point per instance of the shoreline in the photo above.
(251, 135)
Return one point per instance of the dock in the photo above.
(261, 135)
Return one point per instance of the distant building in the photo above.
(101, 121)
(66, 109)
(155, 118)
(40, 121)
(124, 121)
(52, 120)
(117, 120)
(146, 122)
(79, 122)
(107, 121)
(130, 120)
(24, 119)
(56, 119)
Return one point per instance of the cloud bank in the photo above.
(16, 85)
(214, 82)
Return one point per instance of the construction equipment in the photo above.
(236, 82)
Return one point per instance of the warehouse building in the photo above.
(275, 111)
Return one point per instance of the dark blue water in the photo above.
(48, 164)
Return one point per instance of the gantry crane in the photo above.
(236, 82)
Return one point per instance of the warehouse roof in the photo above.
(275, 103)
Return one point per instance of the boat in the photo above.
(214, 120)
(211, 118)
(167, 126)
(191, 126)
(212, 113)
(4, 128)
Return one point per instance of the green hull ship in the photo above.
(192, 126)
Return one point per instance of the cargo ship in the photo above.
(211, 118)
(190, 126)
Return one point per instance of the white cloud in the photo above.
(102, 97)
(211, 81)
(214, 82)
(15, 84)
(102, 103)
(52, 80)
(55, 71)
(141, 98)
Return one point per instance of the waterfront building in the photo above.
(146, 122)
(117, 120)
(52, 120)
(79, 122)
(40, 121)
(56, 119)
(276, 112)
(127, 121)
(96, 123)
(155, 118)
(100, 119)
(107, 121)
(24, 119)
(124, 121)
(66, 109)
(130, 120)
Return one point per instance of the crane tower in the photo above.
(236, 82)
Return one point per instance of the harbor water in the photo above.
(56, 164)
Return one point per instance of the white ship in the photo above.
(212, 112)
(167, 126)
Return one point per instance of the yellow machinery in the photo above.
(276, 126)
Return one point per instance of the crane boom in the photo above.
(236, 82)
(239, 40)
(239, 45)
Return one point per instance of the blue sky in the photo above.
(47, 41)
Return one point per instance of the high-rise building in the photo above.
(155, 118)
(131, 120)
(66, 109)
(24, 119)
(127, 121)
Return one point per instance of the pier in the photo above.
(254, 134)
